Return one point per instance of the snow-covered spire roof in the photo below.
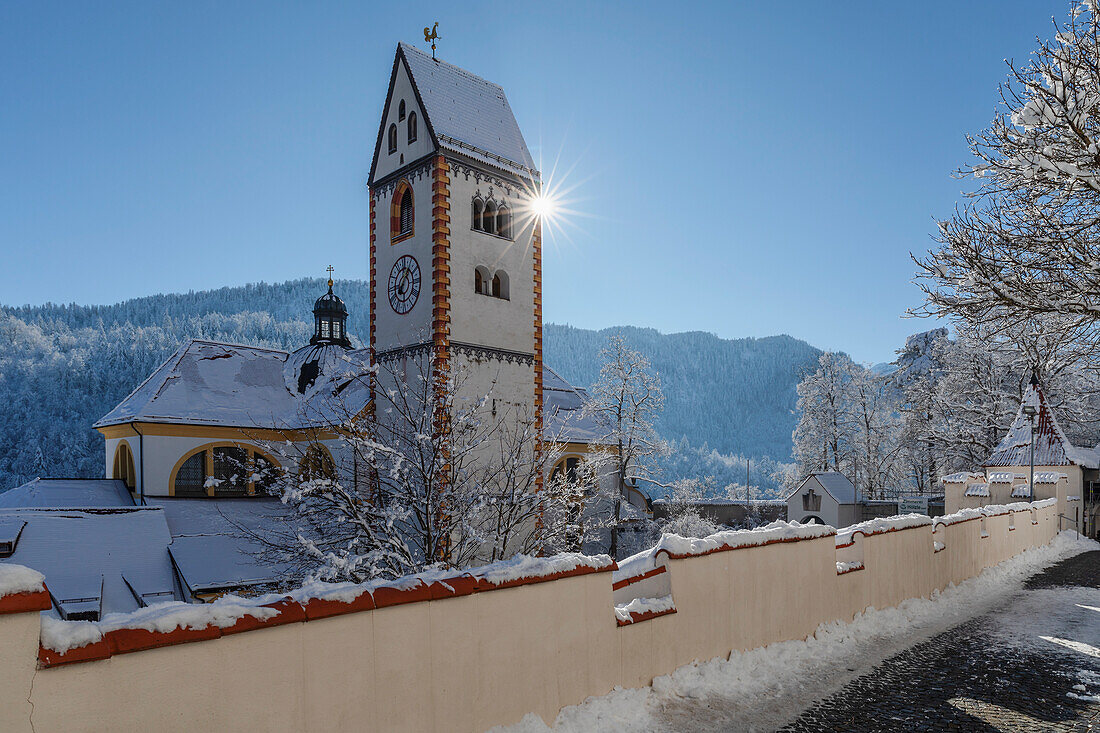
(1052, 448)
(465, 114)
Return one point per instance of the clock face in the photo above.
(404, 285)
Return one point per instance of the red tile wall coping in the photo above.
(638, 578)
(25, 602)
(729, 548)
(643, 616)
(872, 533)
(125, 641)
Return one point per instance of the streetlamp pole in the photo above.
(1030, 411)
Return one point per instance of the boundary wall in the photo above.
(465, 652)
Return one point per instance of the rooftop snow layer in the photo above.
(469, 115)
(1052, 448)
(211, 383)
(564, 416)
(94, 558)
(67, 493)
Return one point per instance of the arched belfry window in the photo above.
(412, 127)
(476, 209)
(489, 219)
(401, 111)
(393, 138)
(402, 212)
(504, 221)
(123, 468)
(406, 212)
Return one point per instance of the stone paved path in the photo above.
(1008, 670)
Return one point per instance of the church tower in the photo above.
(455, 254)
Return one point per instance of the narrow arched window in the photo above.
(406, 212)
(412, 127)
(401, 111)
(476, 210)
(393, 138)
(500, 285)
(479, 281)
(489, 218)
(504, 221)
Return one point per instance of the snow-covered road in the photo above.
(767, 688)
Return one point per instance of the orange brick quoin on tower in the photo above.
(441, 308)
(536, 251)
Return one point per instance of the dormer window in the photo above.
(401, 111)
(412, 127)
(393, 139)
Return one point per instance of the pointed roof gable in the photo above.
(464, 113)
(1052, 448)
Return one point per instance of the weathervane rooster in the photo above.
(432, 35)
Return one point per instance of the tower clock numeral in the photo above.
(404, 284)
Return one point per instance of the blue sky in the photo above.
(741, 169)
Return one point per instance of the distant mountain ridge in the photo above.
(64, 366)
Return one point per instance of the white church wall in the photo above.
(406, 153)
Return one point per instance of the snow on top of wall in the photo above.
(676, 546)
(961, 477)
(977, 490)
(61, 636)
(19, 579)
(523, 567)
(992, 510)
(1021, 491)
(1004, 477)
(1049, 477)
(626, 611)
(878, 525)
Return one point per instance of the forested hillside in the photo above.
(63, 367)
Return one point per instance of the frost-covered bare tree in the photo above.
(1024, 253)
(627, 398)
(849, 423)
(431, 475)
(825, 436)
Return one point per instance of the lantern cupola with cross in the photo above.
(330, 317)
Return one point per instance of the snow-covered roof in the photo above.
(1049, 477)
(212, 383)
(1021, 491)
(977, 490)
(96, 560)
(67, 492)
(563, 415)
(1004, 477)
(467, 114)
(212, 542)
(1052, 448)
(836, 484)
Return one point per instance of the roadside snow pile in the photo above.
(61, 636)
(764, 688)
(644, 605)
(523, 567)
(19, 579)
(678, 547)
(880, 525)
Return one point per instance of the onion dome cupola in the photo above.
(330, 317)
